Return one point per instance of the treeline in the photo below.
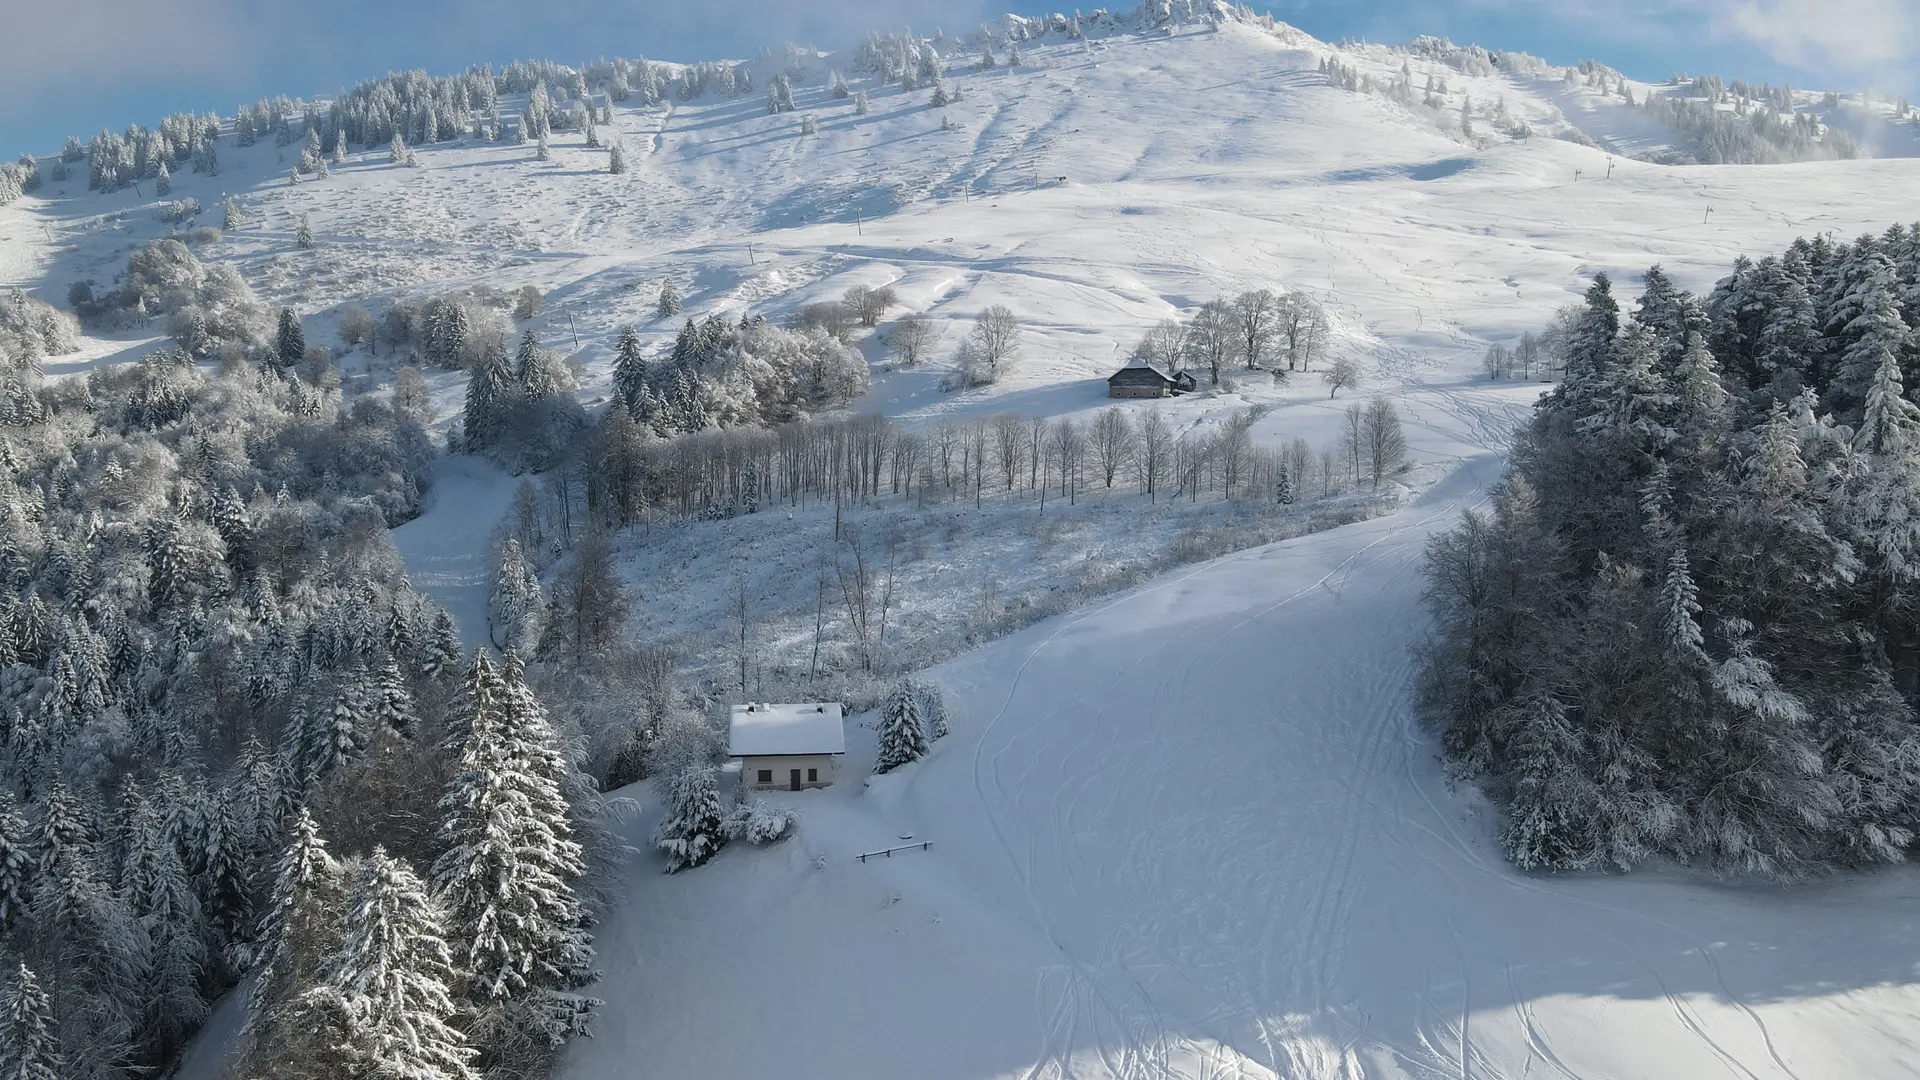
(1685, 630)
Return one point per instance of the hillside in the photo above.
(1189, 830)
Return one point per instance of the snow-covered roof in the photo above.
(767, 730)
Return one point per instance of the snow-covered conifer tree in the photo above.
(303, 233)
(902, 731)
(694, 828)
(162, 182)
(616, 157)
(516, 606)
(669, 304)
(397, 149)
(290, 340)
(506, 879)
(29, 1045)
(629, 368)
(384, 997)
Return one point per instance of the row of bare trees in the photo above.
(1256, 329)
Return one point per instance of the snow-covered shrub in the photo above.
(163, 278)
(757, 822)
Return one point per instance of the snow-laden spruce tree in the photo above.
(290, 341)
(162, 181)
(295, 934)
(397, 150)
(507, 876)
(516, 608)
(629, 368)
(902, 730)
(694, 829)
(303, 232)
(617, 157)
(490, 395)
(933, 707)
(17, 869)
(29, 1047)
(669, 304)
(382, 1003)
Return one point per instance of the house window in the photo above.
(766, 776)
(813, 776)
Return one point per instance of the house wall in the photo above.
(750, 770)
(1114, 391)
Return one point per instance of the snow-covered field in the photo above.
(1189, 831)
(1194, 833)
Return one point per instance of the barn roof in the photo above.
(760, 729)
(1140, 369)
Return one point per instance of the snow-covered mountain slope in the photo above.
(1194, 833)
(1189, 832)
(1098, 187)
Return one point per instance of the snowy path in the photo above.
(445, 548)
(1194, 833)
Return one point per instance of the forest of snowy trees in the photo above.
(1686, 629)
(235, 743)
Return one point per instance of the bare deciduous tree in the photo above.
(1009, 445)
(1342, 374)
(1386, 444)
(910, 338)
(1258, 313)
(995, 340)
(1113, 443)
(1155, 443)
(1164, 346)
(1212, 337)
(868, 304)
(1303, 328)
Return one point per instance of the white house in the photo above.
(787, 746)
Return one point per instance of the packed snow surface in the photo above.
(1194, 832)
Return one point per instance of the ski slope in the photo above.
(1194, 833)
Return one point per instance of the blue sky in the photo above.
(74, 66)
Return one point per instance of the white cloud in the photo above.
(1870, 36)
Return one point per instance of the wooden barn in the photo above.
(1141, 379)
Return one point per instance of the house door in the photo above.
(793, 779)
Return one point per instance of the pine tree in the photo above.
(902, 732)
(1880, 337)
(933, 708)
(290, 341)
(340, 147)
(29, 1045)
(692, 831)
(1282, 488)
(385, 994)
(17, 869)
(541, 153)
(393, 709)
(516, 604)
(861, 106)
(616, 158)
(303, 233)
(669, 304)
(534, 377)
(489, 394)
(397, 150)
(506, 879)
(629, 368)
(162, 181)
